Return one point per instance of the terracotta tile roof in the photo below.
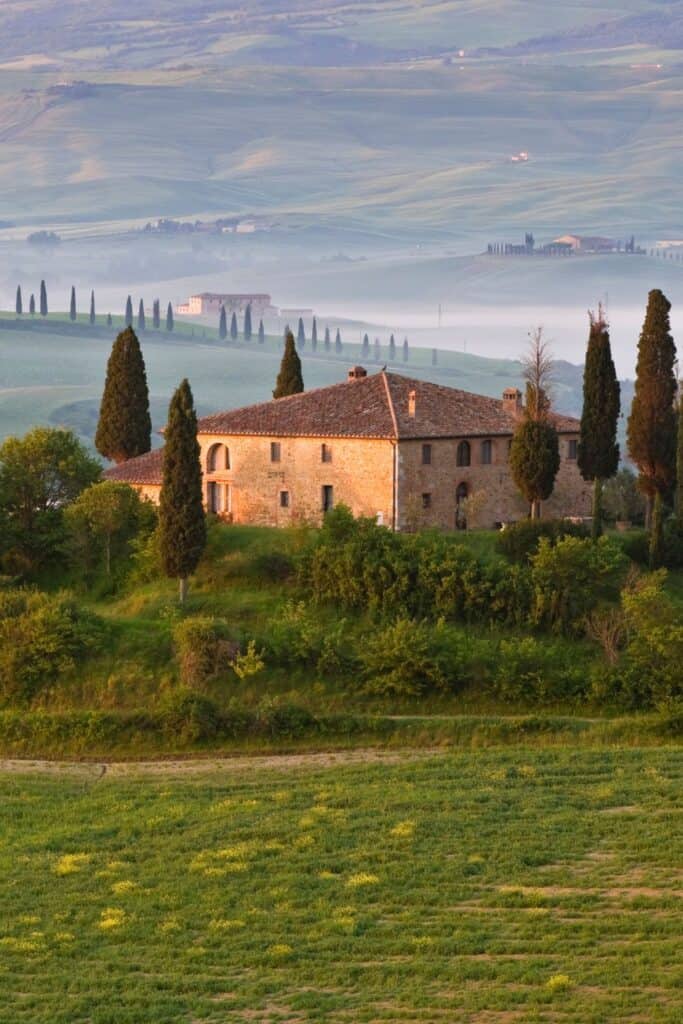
(145, 469)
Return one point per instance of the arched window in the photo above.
(218, 458)
(486, 453)
(463, 454)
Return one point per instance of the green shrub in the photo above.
(409, 659)
(41, 637)
(570, 578)
(533, 670)
(636, 545)
(285, 720)
(272, 566)
(203, 649)
(190, 717)
(519, 542)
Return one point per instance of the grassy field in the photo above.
(502, 886)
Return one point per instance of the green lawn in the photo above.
(497, 886)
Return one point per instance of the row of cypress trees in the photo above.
(19, 301)
(73, 310)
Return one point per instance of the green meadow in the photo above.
(495, 886)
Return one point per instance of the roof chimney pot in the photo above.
(411, 403)
(357, 373)
(512, 401)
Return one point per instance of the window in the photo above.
(325, 453)
(426, 501)
(284, 499)
(461, 496)
(426, 454)
(573, 449)
(463, 455)
(218, 458)
(274, 451)
(214, 498)
(486, 453)
(327, 497)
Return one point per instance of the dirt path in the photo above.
(224, 765)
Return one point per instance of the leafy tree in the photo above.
(405, 350)
(93, 316)
(598, 453)
(72, 305)
(181, 511)
(651, 431)
(19, 305)
(328, 343)
(622, 500)
(129, 312)
(32, 305)
(233, 327)
(40, 473)
(314, 335)
(365, 347)
(142, 321)
(290, 380)
(124, 429)
(247, 323)
(261, 333)
(102, 520)
(223, 325)
(338, 342)
(156, 314)
(43, 299)
(392, 348)
(569, 579)
(169, 317)
(301, 335)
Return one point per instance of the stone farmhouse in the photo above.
(406, 452)
(212, 302)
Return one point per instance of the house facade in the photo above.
(406, 452)
(212, 302)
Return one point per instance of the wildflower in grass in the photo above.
(70, 863)
(111, 918)
(274, 845)
(29, 919)
(559, 983)
(224, 924)
(124, 886)
(283, 796)
(404, 830)
(168, 925)
(360, 879)
(475, 858)
(327, 876)
(422, 941)
(195, 951)
(527, 771)
(65, 937)
(303, 842)
(15, 945)
(280, 950)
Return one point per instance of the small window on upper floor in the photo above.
(274, 451)
(573, 449)
(426, 501)
(325, 453)
(284, 499)
(486, 453)
(463, 455)
(426, 454)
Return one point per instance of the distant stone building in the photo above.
(406, 452)
(211, 302)
(587, 243)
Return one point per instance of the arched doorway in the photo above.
(461, 494)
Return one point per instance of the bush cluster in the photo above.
(520, 541)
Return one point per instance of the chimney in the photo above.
(512, 401)
(411, 403)
(357, 373)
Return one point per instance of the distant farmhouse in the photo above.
(587, 243)
(211, 302)
(565, 245)
(405, 452)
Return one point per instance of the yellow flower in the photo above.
(362, 878)
(111, 918)
(124, 886)
(70, 863)
(64, 937)
(170, 924)
(558, 983)
(224, 924)
(29, 919)
(15, 945)
(280, 949)
(404, 830)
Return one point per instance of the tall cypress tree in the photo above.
(142, 321)
(32, 305)
(156, 314)
(124, 429)
(301, 335)
(110, 320)
(365, 347)
(129, 312)
(598, 454)
(405, 350)
(169, 317)
(73, 313)
(43, 299)
(435, 356)
(290, 379)
(328, 343)
(651, 431)
(182, 523)
(534, 457)
(678, 498)
(392, 348)
(376, 351)
(338, 342)
(223, 325)
(93, 316)
(233, 327)
(19, 304)
(314, 336)
(261, 332)
(247, 323)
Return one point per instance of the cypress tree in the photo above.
(314, 336)
(405, 350)
(247, 323)
(261, 332)
(392, 347)
(124, 429)
(142, 322)
(535, 458)
(129, 312)
(43, 299)
(435, 357)
(93, 316)
(290, 380)
(328, 343)
(651, 431)
(365, 347)
(338, 342)
(182, 523)
(169, 317)
(156, 314)
(377, 350)
(301, 335)
(233, 327)
(72, 305)
(598, 453)
(19, 305)
(32, 305)
(678, 500)
(223, 325)
(109, 320)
